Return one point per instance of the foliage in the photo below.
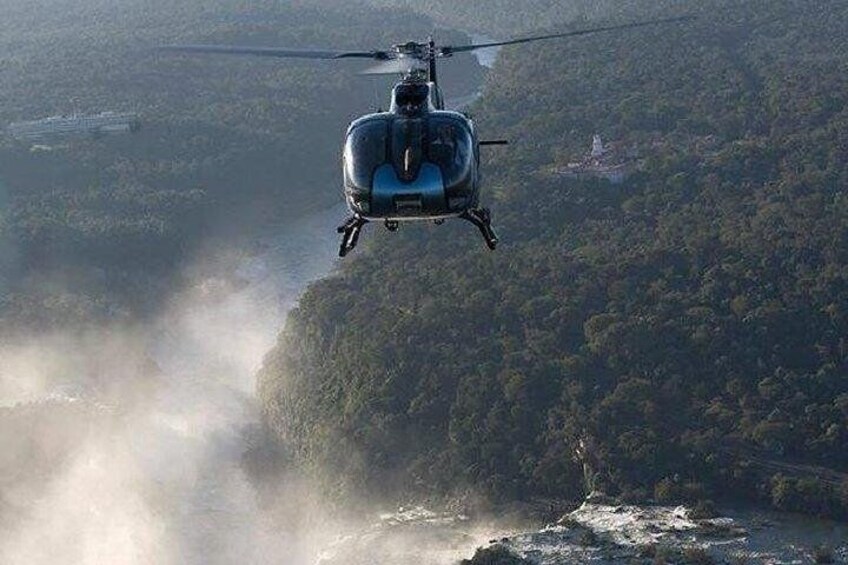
(510, 17)
(697, 556)
(687, 326)
(823, 554)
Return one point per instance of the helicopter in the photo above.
(417, 161)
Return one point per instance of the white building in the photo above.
(597, 147)
(601, 162)
(106, 122)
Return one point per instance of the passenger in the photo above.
(443, 147)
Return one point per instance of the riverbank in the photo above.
(596, 532)
(611, 533)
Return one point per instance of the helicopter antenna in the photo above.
(431, 60)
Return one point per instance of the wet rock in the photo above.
(598, 497)
(497, 554)
(614, 533)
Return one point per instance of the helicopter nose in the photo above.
(391, 196)
(408, 204)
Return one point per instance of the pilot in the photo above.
(410, 105)
(410, 108)
(411, 99)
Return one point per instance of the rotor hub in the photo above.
(412, 48)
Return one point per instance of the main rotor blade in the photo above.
(395, 67)
(464, 48)
(275, 52)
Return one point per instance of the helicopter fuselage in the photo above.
(415, 162)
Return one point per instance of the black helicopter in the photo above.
(418, 161)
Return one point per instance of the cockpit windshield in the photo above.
(365, 150)
(449, 147)
(407, 143)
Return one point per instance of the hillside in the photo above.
(508, 18)
(676, 337)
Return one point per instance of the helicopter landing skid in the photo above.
(482, 218)
(350, 231)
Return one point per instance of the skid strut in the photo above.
(350, 231)
(482, 218)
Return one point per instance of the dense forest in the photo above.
(95, 229)
(507, 18)
(677, 337)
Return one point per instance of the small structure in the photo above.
(597, 147)
(606, 162)
(103, 123)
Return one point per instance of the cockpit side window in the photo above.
(365, 150)
(406, 143)
(450, 149)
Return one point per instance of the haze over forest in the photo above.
(187, 374)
